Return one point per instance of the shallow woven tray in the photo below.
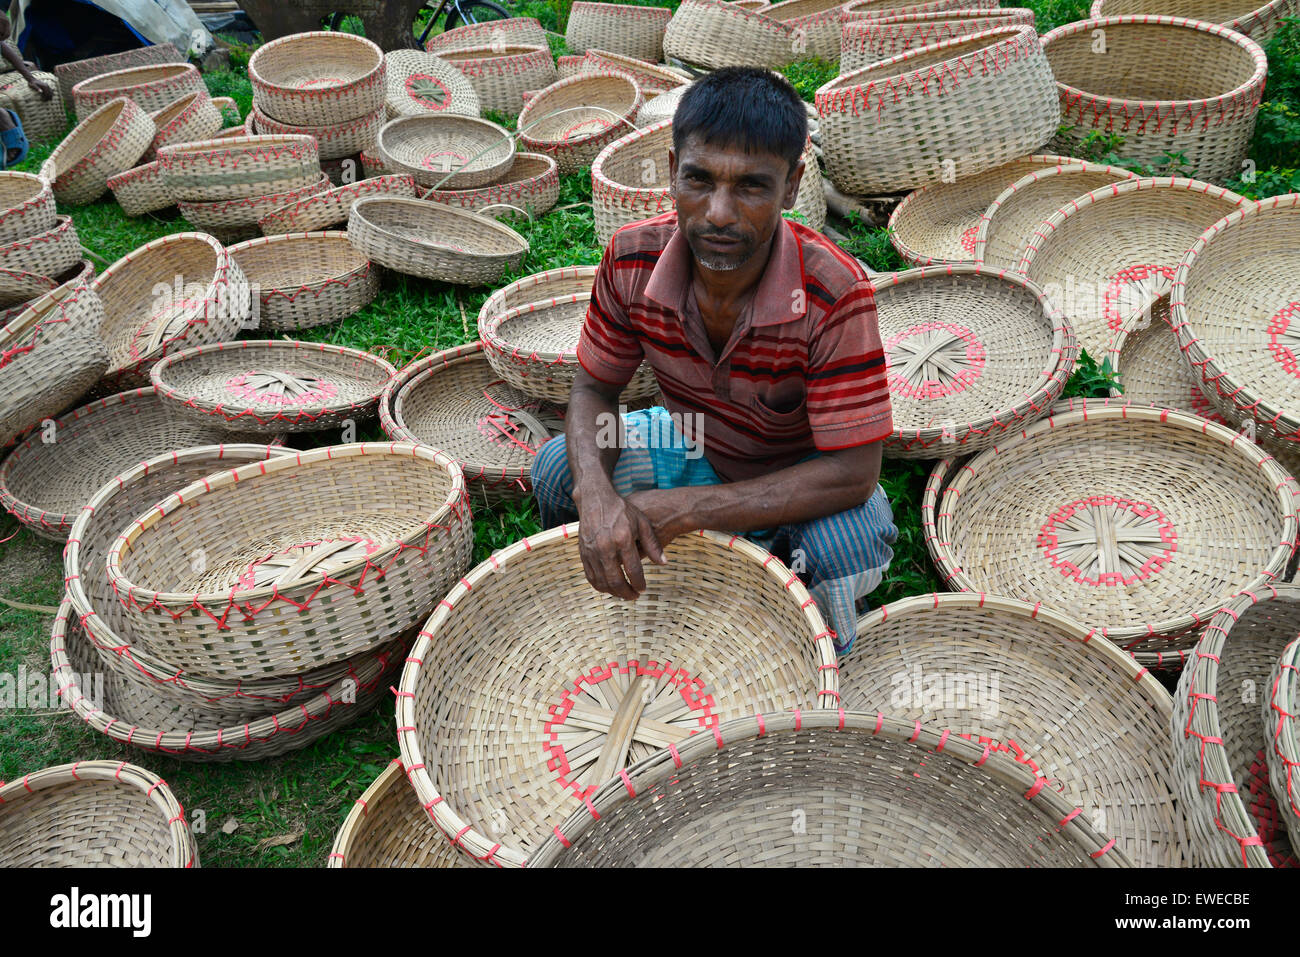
(573, 120)
(1282, 731)
(70, 74)
(331, 207)
(26, 206)
(1257, 22)
(938, 112)
(43, 120)
(1007, 226)
(971, 354)
(108, 141)
(1071, 707)
(635, 31)
(310, 559)
(93, 814)
(500, 74)
(1109, 484)
(1113, 251)
(48, 253)
(273, 386)
(606, 681)
(447, 151)
(208, 301)
(713, 34)
(828, 789)
(816, 24)
(530, 187)
(141, 190)
(423, 83)
(336, 141)
(51, 354)
(651, 77)
(193, 116)
(320, 78)
(239, 167)
(1165, 84)
(1220, 736)
(553, 284)
(305, 280)
(388, 828)
(149, 87)
(434, 241)
(235, 220)
(869, 40)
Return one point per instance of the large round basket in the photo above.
(70, 74)
(713, 34)
(828, 789)
(651, 77)
(1110, 531)
(1072, 707)
(235, 220)
(26, 206)
(273, 386)
(526, 31)
(149, 87)
(51, 354)
(176, 292)
(1257, 21)
(970, 353)
(309, 559)
(531, 186)
(880, 9)
(239, 167)
(573, 120)
(141, 189)
(93, 814)
(454, 401)
(1236, 311)
(191, 117)
(434, 241)
(816, 25)
(1168, 85)
(420, 84)
(629, 30)
(447, 151)
(1282, 727)
(331, 208)
(42, 119)
(388, 828)
(951, 109)
(1008, 225)
(1221, 739)
(551, 285)
(501, 74)
(320, 78)
(866, 41)
(108, 141)
(723, 629)
(1112, 252)
(305, 280)
(336, 141)
(49, 253)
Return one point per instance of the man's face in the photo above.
(728, 201)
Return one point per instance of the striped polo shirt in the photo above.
(804, 369)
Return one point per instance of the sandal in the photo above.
(10, 140)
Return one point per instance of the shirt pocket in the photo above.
(789, 415)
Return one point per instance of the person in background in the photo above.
(12, 139)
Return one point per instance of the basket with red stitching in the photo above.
(336, 141)
(714, 34)
(107, 142)
(626, 29)
(306, 279)
(530, 187)
(880, 9)
(447, 151)
(868, 40)
(573, 120)
(47, 253)
(235, 220)
(320, 78)
(331, 207)
(150, 87)
(553, 284)
(141, 189)
(26, 206)
(424, 83)
(1257, 22)
(651, 77)
(239, 167)
(70, 74)
(500, 74)
(191, 117)
(527, 31)
(1282, 728)
(816, 25)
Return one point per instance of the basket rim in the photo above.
(42, 194)
(97, 84)
(491, 305)
(128, 112)
(62, 224)
(623, 62)
(866, 24)
(623, 9)
(179, 105)
(319, 133)
(756, 16)
(551, 172)
(493, 342)
(457, 56)
(1284, 716)
(1260, 14)
(253, 142)
(360, 809)
(361, 207)
(366, 79)
(333, 237)
(601, 181)
(208, 206)
(34, 308)
(447, 820)
(488, 167)
(337, 193)
(638, 98)
(1129, 330)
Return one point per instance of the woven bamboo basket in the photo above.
(816, 24)
(971, 353)
(149, 87)
(880, 9)
(26, 206)
(934, 113)
(108, 141)
(650, 77)
(141, 189)
(608, 681)
(236, 220)
(321, 78)
(500, 74)
(331, 207)
(828, 789)
(713, 34)
(453, 400)
(573, 120)
(42, 119)
(572, 65)
(1236, 311)
(70, 74)
(191, 117)
(226, 104)
(1007, 226)
(531, 187)
(1074, 709)
(50, 356)
(373, 166)
(659, 108)
(1257, 22)
(48, 253)
(335, 141)
(1114, 534)
(388, 828)
(1220, 739)
(20, 290)
(176, 292)
(434, 241)
(239, 167)
(526, 31)
(447, 151)
(233, 132)
(1282, 734)
(304, 280)
(625, 29)
(1113, 251)
(1166, 83)
(273, 386)
(93, 814)
(549, 286)
(354, 544)
(870, 40)
(750, 4)
(424, 83)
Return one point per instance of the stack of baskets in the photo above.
(868, 40)
(42, 119)
(35, 241)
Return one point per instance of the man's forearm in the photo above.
(591, 462)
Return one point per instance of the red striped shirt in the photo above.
(804, 369)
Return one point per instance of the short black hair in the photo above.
(749, 107)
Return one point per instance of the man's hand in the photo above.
(41, 87)
(612, 536)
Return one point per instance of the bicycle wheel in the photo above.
(474, 11)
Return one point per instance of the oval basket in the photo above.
(49, 253)
(1282, 729)
(434, 241)
(108, 141)
(951, 109)
(816, 24)
(26, 206)
(691, 664)
(828, 789)
(306, 280)
(70, 74)
(235, 220)
(1036, 686)
(573, 120)
(311, 559)
(420, 84)
(651, 77)
(272, 386)
(239, 167)
(531, 186)
(320, 78)
(149, 87)
(1113, 251)
(388, 828)
(93, 814)
(331, 207)
(1257, 22)
(970, 353)
(1110, 531)
(869, 40)
(541, 287)
(1168, 84)
(501, 74)
(1220, 738)
(527, 31)
(447, 151)
(713, 34)
(336, 141)
(141, 190)
(20, 289)
(880, 9)
(629, 30)
(176, 292)
(191, 117)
